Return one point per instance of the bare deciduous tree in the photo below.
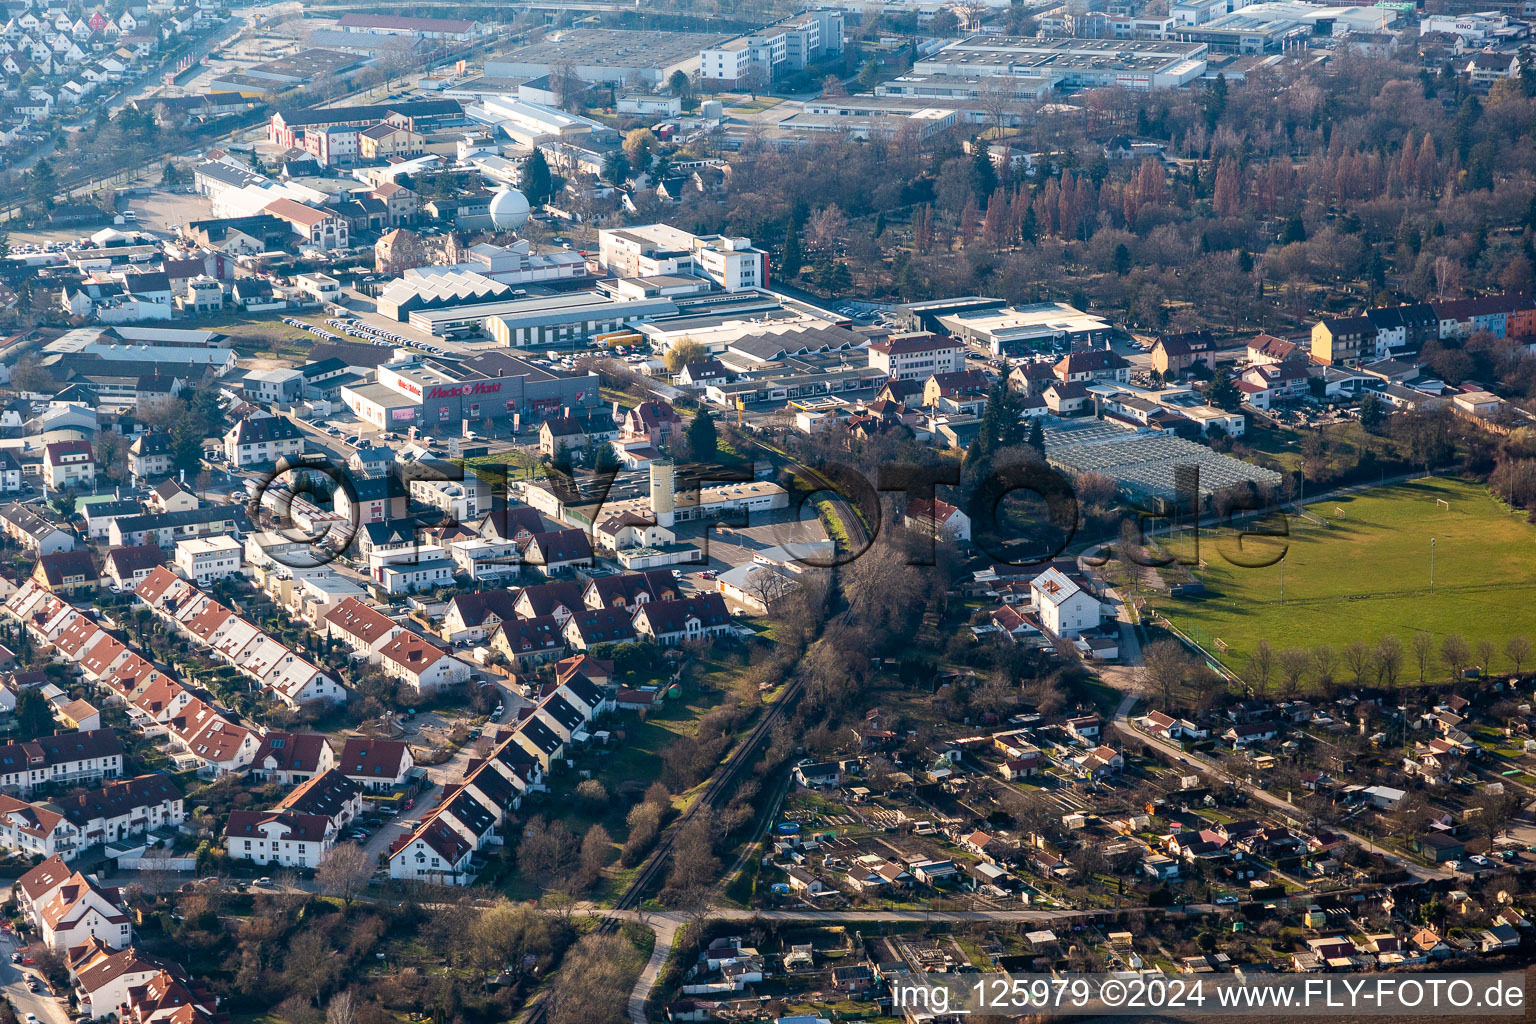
(594, 980)
(1261, 665)
(1293, 662)
(1325, 660)
(596, 847)
(545, 850)
(342, 1009)
(1165, 664)
(1485, 652)
(344, 872)
(1389, 659)
(1517, 650)
(1423, 651)
(1455, 653)
(1358, 657)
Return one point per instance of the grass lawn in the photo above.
(640, 756)
(519, 466)
(751, 106)
(637, 758)
(260, 333)
(1367, 575)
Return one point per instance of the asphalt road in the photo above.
(13, 982)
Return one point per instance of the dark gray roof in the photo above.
(186, 517)
(323, 366)
(266, 428)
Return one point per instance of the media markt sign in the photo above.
(489, 387)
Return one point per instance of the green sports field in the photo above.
(1366, 574)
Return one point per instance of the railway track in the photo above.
(719, 786)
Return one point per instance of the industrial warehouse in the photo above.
(431, 392)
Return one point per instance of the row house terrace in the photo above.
(64, 759)
(400, 654)
(77, 822)
(474, 617)
(468, 816)
(158, 705)
(227, 636)
(125, 807)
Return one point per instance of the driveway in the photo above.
(391, 830)
(13, 983)
(450, 771)
(1125, 674)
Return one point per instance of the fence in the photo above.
(157, 863)
(1203, 642)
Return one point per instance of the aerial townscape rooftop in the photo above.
(594, 515)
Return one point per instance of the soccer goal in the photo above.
(1338, 512)
(1442, 503)
(1221, 645)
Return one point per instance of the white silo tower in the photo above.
(663, 491)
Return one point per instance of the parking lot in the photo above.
(367, 333)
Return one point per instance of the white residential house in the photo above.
(69, 464)
(31, 830)
(123, 808)
(376, 765)
(80, 910)
(938, 519)
(419, 665)
(361, 627)
(256, 441)
(1065, 609)
(205, 559)
(436, 853)
(289, 839)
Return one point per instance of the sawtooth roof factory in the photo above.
(1081, 63)
(617, 56)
